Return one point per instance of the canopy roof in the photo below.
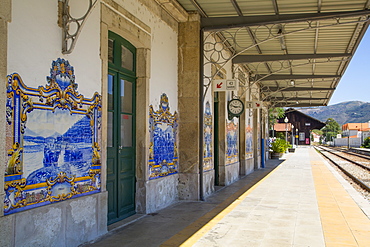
(296, 51)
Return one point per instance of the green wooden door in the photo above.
(121, 129)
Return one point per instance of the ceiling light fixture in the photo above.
(281, 38)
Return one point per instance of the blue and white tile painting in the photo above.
(48, 151)
(232, 141)
(163, 153)
(249, 140)
(52, 141)
(208, 141)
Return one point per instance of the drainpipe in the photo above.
(201, 116)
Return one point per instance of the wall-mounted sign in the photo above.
(225, 85)
(253, 104)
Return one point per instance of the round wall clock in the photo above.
(235, 107)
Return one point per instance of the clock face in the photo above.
(236, 107)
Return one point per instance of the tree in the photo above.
(366, 143)
(275, 114)
(331, 129)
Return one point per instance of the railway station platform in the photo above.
(299, 200)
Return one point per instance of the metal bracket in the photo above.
(70, 35)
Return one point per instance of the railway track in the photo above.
(356, 167)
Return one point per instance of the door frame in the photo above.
(142, 41)
(119, 73)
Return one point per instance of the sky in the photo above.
(355, 83)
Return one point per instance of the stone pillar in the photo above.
(256, 139)
(142, 127)
(6, 222)
(5, 17)
(222, 145)
(242, 134)
(188, 107)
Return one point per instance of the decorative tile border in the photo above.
(208, 140)
(249, 140)
(232, 132)
(52, 141)
(163, 153)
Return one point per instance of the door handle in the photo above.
(119, 149)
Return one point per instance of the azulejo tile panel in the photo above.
(232, 141)
(249, 140)
(52, 140)
(208, 141)
(163, 152)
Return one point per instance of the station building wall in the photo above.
(167, 92)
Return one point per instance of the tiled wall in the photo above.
(52, 141)
(163, 152)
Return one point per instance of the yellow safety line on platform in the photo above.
(343, 222)
(209, 220)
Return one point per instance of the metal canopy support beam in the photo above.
(237, 8)
(200, 10)
(276, 7)
(294, 104)
(292, 77)
(293, 98)
(267, 58)
(296, 89)
(221, 23)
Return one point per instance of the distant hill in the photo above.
(345, 112)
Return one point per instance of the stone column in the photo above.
(142, 127)
(6, 222)
(256, 138)
(242, 134)
(188, 107)
(222, 145)
(5, 17)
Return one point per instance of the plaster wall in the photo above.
(35, 40)
(248, 167)
(60, 224)
(232, 173)
(164, 193)
(163, 31)
(209, 182)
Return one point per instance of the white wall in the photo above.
(163, 65)
(353, 142)
(33, 45)
(163, 78)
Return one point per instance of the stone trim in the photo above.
(112, 5)
(174, 9)
(5, 17)
(6, 10)
(162, 11)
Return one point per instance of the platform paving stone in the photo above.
(303, 202)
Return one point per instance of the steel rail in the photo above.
(347, 159)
